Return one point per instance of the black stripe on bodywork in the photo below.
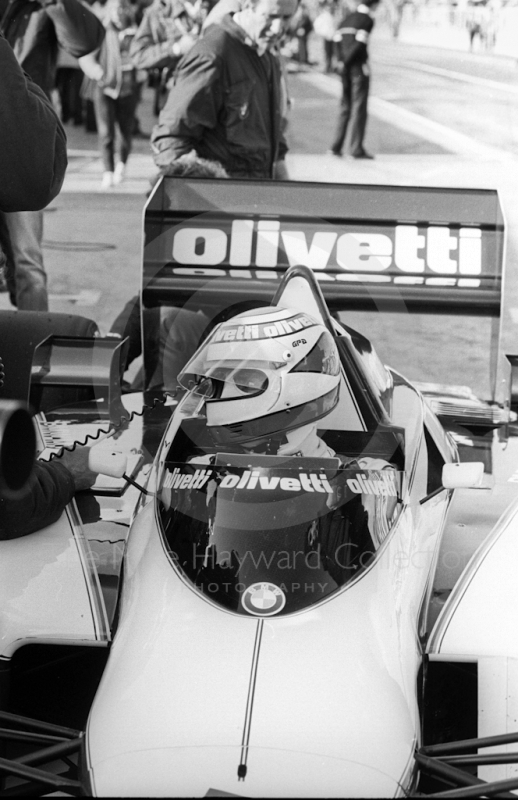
(242, 768)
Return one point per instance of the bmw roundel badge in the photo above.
(263, 599)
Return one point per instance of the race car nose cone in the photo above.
(233, 771)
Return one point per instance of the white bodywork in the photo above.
(333, 687)
(49, 589)
(479, 623)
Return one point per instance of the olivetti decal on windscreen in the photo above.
(404, 254)
(380, 482)
(278, 523)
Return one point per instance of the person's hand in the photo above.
(183, 45)
(97, 73)
(76, 461)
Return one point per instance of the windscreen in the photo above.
(267, 535)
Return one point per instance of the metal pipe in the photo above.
(33, 774)
(467, 744)
(458, 777)
(493, 789)
(38, 725)
(496, 758)
(29, 736)
(451, 774)
(50, 753)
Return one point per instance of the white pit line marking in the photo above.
(434, 132)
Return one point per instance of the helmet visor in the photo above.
(244, 368)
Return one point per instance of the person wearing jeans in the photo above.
(34, 30)
(113, 81)
(109, 112)
(30, 279)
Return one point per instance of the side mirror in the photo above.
(467, 475)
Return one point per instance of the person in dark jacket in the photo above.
(352, 39)
(51, 487)
(165, 34)
(33, 145)
(33, 151)
(226, 101)
(34, 28)
(33, 160)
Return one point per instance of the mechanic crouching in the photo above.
(33, 161)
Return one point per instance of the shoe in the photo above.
(334, 153)
(118, 175)
(107, 181)
(363, 154)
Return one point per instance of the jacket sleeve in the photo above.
(193, 105)
(50, 489)
(151, 46)
(78, 30)
(33, 149)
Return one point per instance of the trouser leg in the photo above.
(125, 114)
(343, 115)
(7, 258)
(61, 86)
(328, 54)
(105, 119)
(76, 101)
(137, 93)
(358, 116)
(26, 236)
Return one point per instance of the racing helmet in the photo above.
(264, 372)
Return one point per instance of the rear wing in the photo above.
(433, 249)
(218, 243)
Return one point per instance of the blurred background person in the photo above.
(69, 79)
(352, 39)
(325, 26)
(226, 102)
(225, 8)
(112, 87)
(35, 30)
(168, 30)
(300, 29)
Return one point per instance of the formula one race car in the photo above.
(271, 589)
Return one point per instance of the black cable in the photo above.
(112, 427)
